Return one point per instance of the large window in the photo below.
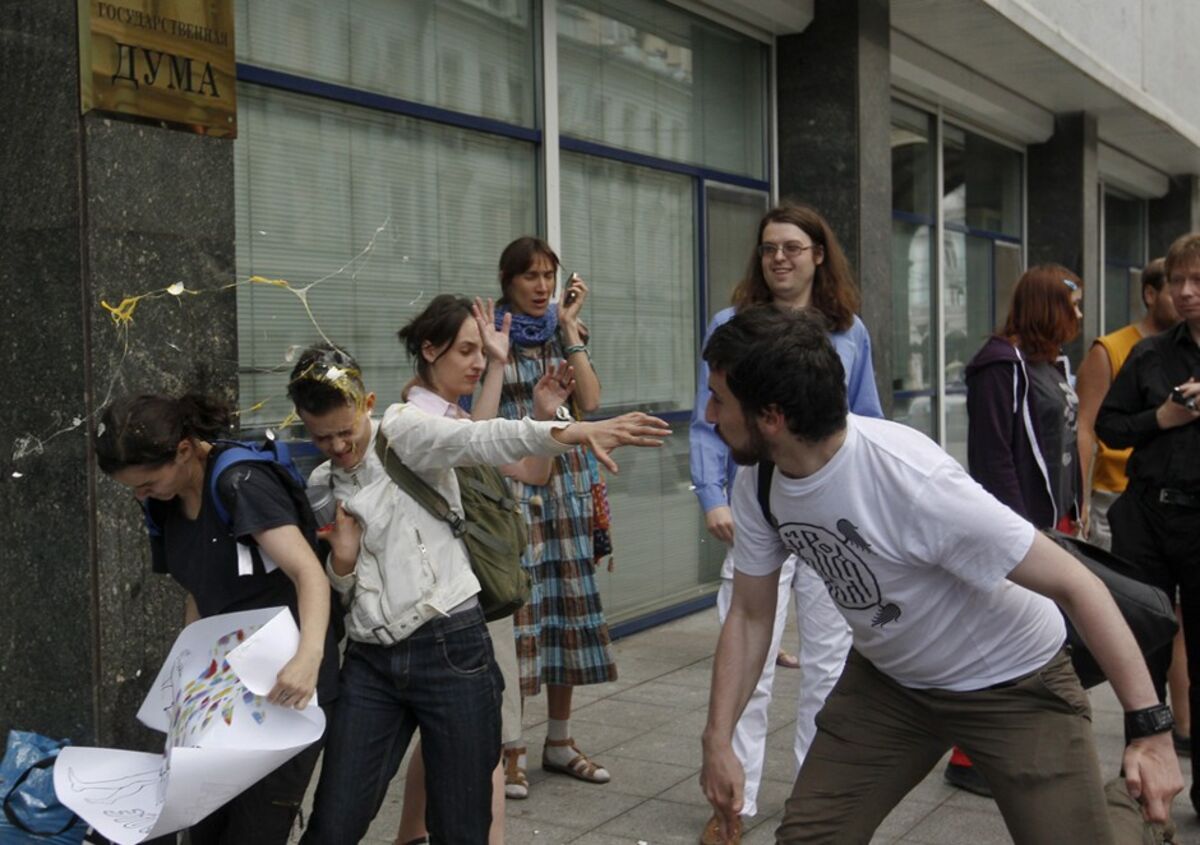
(981, 203)
(382, 212)
(914, 172)
(967, 279)
(472, 56)
(1124, 257)
(648, 78)
(389, 150)
(642, 308)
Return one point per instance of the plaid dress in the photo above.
(562, 637)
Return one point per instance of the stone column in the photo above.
(1175, 214)
(1064, 209)
(834, 117)
(98, 209)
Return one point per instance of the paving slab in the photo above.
(646, 730)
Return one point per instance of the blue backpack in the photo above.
(277, 453)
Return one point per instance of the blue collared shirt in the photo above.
(712, 465)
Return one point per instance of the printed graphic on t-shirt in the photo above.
(834, 555)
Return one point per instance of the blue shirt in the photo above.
(712, 465)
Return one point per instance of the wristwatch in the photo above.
(1148, 721)
(563, 414)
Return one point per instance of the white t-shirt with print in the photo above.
(914, 553)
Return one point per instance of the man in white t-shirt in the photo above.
(951, 600)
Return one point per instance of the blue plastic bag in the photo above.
(32, 811)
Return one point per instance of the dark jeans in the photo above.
(265, 812)
(442, 679)
(1164, 540)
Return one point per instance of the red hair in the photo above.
(834, 292)
(1042, 316)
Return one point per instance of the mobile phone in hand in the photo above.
(572, 293)
(1179, 398)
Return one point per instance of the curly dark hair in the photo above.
(784, 359)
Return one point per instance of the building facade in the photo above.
(386, 152)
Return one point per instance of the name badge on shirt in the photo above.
(246, 561)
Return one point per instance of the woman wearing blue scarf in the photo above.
(562, 637)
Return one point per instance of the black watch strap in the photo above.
(1148, 721)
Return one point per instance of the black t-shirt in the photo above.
(203, 554)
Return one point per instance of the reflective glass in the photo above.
(913, 161)
(733, 217)
(982, 183)
(644, 76)
(1124, 230)
(471, 56)
(366, 210)
(630, 232)
(663, 553)
(919, 412)
(912, 307)
(1124, 256)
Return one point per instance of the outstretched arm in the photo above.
(1151, 769)
(426, 442)
(741, 653)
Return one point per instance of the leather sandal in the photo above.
(579, 767)
(516, 785)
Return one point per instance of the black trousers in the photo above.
(1164, 540)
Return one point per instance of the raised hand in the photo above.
(552, 391)
(495, 340)
(576, 293)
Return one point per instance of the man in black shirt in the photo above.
(1151, 406)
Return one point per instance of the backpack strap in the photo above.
(417, 488)
(152, 526)
(271, 451)
(766, 471)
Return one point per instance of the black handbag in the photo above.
(1148, 611)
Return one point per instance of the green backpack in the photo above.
(492, 527)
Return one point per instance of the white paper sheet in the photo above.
(222, 735)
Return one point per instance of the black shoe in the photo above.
(968, 778)
(1183, 744)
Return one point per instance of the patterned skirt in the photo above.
(562, 637)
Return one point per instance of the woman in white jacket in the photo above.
(419, 653)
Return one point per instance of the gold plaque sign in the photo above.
(170, 60)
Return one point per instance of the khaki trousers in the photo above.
(1031, 738)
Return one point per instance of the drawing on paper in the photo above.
(221, 737)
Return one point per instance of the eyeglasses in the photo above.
(792, 249)
(1071, 286)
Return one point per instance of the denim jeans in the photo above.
(442, 679)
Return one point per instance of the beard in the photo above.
(752, 451)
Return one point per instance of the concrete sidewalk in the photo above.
(646, 729)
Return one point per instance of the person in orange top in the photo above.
(1104, 468)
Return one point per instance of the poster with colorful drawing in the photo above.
(222, 735)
